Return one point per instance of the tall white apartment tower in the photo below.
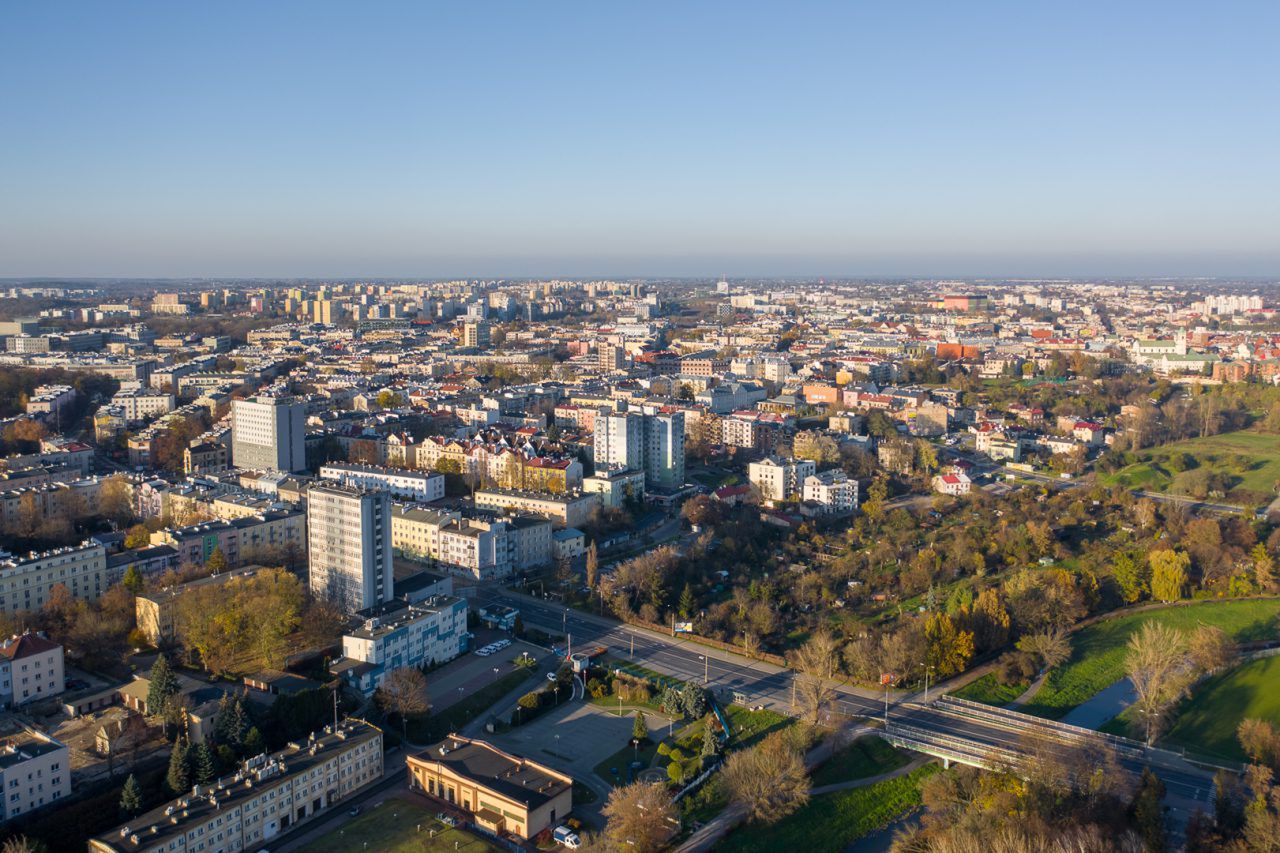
(652, 442)
(619, 440)
(349, 546)
(269, 433)
(664, 450)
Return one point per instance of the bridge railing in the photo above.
(986, 754)
(1028, 721)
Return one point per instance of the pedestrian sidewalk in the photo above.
(713, 832)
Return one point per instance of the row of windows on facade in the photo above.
(16, 810)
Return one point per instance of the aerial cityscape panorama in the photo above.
(690, 427)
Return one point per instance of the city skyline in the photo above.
(405, 141)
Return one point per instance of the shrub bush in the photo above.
(1016, 668)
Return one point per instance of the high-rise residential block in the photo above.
(664, 451)
(476, 334)
(619, 440)
(269, 433)
(349, 546)
(652, 442)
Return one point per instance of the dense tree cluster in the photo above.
(244, 619)
(1057, 800)
(934, 587)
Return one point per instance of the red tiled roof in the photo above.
(26, 645)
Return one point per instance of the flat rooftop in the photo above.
(511, 776)
(172, 820)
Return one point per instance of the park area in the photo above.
(832, 821)
(684, 746)
(1208, 719)
(1098, 651)
(1242, 466)
(398, 826)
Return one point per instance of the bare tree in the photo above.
(21, 844)
(816, 663)
(640, 816)
(403, 692)
(115, 500)
(1210, 648)
(1052, 646)
(1260, 740)
(1159, 667)
(769, 780)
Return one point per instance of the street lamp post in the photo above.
(706, 668)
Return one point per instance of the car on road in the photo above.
(567, 837)
(354, 811)
(485, 652)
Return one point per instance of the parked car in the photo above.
(567, 837)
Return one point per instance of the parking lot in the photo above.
(577, 737)
(453, 681)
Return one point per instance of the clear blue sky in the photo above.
(690, 138)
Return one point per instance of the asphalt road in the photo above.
(769, 685)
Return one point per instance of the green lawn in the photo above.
(867, 756)
(1207, 721)
(1098, 652)
(436, 727)
(831, 822)
(393, 827)
(657, 682)
(714, 481)
(990, 691)
(1249, 460)
(748, 727)
(622, 759)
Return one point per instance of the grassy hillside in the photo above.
(1244, 465)
(1098, 652)
(1207, 722)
